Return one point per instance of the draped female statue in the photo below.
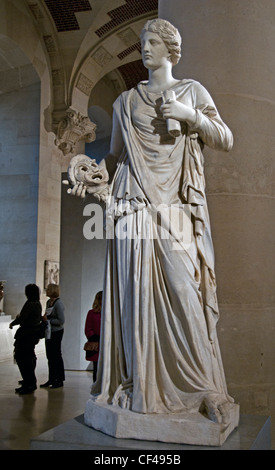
(159, 348)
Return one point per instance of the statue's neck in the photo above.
(161, 79)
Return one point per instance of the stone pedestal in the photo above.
(178, 428)
(253, 433)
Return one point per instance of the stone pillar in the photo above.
(229, 46)
(82, 263)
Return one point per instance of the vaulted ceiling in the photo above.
(64, 12)
(85, 46)
(70, 29)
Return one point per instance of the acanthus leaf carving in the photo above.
(71, 129)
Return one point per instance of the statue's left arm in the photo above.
(202, 118)
(208, 123)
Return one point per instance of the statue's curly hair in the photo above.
(168, 33)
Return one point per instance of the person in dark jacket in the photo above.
(92, 332)
(26, 338)
(55, 317)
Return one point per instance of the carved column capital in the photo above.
(71, 129)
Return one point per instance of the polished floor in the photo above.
(27, 416)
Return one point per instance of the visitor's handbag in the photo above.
(91, 346)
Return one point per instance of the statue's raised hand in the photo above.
(85, 176)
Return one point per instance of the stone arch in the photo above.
(104, 56)
(97, 58)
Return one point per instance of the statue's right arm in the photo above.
(83, 184)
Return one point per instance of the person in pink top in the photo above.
(92, 331)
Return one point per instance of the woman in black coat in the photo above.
(26, 338)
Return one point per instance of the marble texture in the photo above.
(180, 428)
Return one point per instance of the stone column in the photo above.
(229, 46)
(81, 276)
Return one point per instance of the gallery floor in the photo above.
(27, 416)
(23, 418)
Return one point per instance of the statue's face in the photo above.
(154, 51)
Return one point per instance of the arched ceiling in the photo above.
(76, 43)
(88, 39)
(64, 12)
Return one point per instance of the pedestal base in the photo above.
(180, 428)
(253, 433)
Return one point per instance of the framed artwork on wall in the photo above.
(51, 273)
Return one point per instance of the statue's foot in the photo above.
(216, 408)
(123, 398)
(125, 401)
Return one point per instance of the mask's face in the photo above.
(89, 173)
(154, 51)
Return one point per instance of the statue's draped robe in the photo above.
(159, 348)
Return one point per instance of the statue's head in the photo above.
(168, 33)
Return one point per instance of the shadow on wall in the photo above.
(19, 137)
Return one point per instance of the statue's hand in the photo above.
(79, 189)
(173, 109)
(85, 176)
(103, 195)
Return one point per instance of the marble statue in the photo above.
(159, 353)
